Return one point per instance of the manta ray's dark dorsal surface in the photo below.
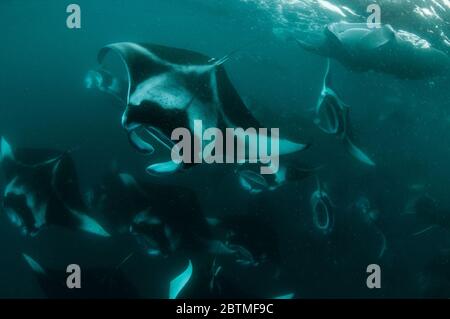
(42, 190)
(170, 88)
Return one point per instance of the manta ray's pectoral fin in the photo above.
(6, 151)
(179, 282)
(104, 81)
(289, 147)
(357, 153)
(377, 38)
(131, 183)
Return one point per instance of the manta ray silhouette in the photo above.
(97, 283)
(165, 219)
(169, 88)
(322, 210)
(42, 190)
(399, 53)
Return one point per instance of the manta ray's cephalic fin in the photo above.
(347, 139)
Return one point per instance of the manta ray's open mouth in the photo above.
(323, 217)
(16, 220)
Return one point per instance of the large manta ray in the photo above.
(382, 49)
(168, 88)
(42, 190)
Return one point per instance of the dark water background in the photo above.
(404, 126)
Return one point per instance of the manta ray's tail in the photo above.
(7, 160)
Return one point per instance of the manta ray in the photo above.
(383, 49)
(251, 180)
(333, 118)
(168, 88)
(163, 218)
(42, 190)
(322, 210)
(430, 214)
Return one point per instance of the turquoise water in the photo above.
(401, 124)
